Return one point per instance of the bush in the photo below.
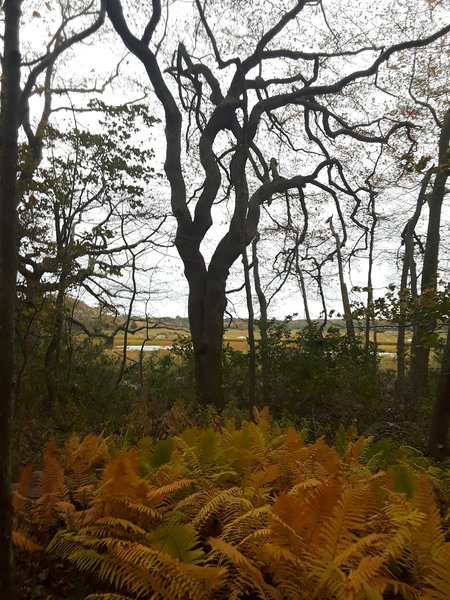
(321, 377)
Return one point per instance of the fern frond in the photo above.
(214, 506)
(84, 495)
(22, 539)
(64, 543)
(438, 581)
(150, 569)
(82, 518)
(209, 449)
(264, 477)
(241, 527)
(52, 477)
(157, 496)
(294, 441)
(307, 484)
(325, 456)
(107, 597)
(122, 507)
(431, 532)
(363, 577)
(248, 571)
(21, 489)
(233, 509)
(179, 541)
(106, 525)
(83, 457)
(348, 518)
(254, 540)
(121, 479)
(361, 545)
(192, 503)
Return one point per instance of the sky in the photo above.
(165, 290)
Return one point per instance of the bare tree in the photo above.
(233, 111)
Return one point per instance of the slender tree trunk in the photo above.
(439, 447)
(263, 324)
(52, 355)
(420, 350)
(408, 270)
(251, 335)
(301, 281)
(370, 313)
(322, 298)
(344, 293)
(10, 94)
(123, 362)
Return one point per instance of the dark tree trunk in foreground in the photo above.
(420, 348)
(206, 312)
(439, 447)
(8, 268)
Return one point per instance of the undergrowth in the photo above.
(247, 512)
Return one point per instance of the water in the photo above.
(147, 348)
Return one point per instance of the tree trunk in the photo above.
(318, 279)
(10, 94)
(370, 312)
(344, 293)
(207, 303)
(52, 355)
(251, 336)
(302, 286)
(208, 373)
(439, 448)
(408, 270)
(263, 325)
(420, 350)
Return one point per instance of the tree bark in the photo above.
(251, 335)
(303, 292)
(408, 270)
(263, 324)
(52, 354)
(344, 293)
(206, 312)
(439, 447)
(420, 349)
(10, 95)
(370, 313)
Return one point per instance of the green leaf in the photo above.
(381, 454)
(404, 480)
(162, 453)
(341, 440)
(208, 447)
(178, 540)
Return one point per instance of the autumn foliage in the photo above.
(231, 513)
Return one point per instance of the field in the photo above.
(164, 338)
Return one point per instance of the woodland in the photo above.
(283, 165)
